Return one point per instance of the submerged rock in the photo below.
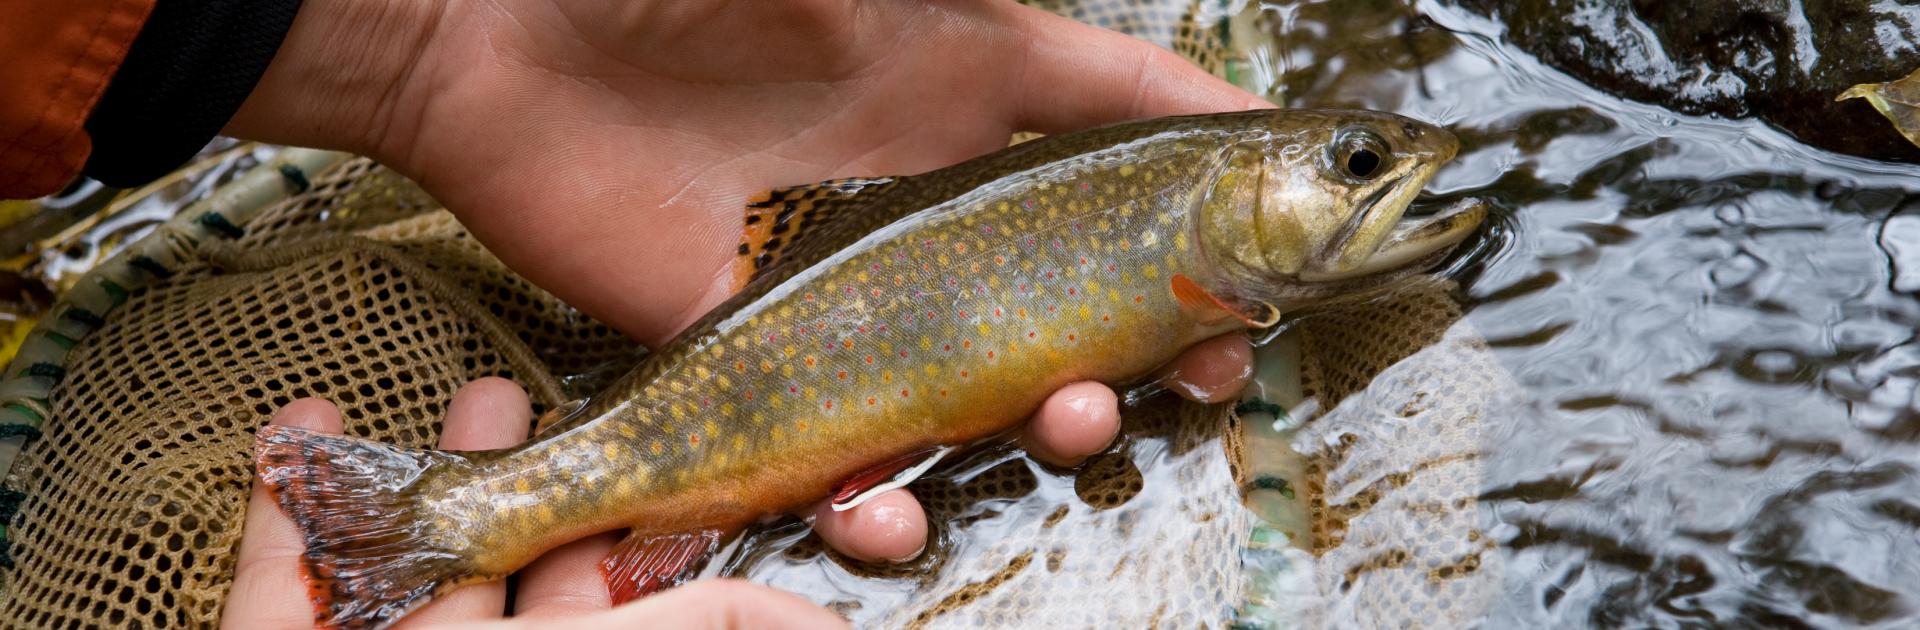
(1780, 60)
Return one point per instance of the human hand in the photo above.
(561, 590)
(605, 149)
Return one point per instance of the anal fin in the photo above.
(557, 414)
(779, 219)
(895, 473)
(643, 565)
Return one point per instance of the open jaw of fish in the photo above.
(881, 318)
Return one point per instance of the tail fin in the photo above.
(372, 551)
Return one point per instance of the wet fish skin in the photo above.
(936, 309)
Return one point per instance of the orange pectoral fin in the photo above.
(1209, 309)
(643, 565)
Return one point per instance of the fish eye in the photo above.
(1360, 154)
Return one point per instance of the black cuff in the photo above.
(193, 64)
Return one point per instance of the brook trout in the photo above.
(881, 318)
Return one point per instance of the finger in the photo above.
(721, 604)
(1074, 423)
(1215, 370)
(888, 527)
(566, 581)
(485, 414)
(1076, 75)
(269, 590)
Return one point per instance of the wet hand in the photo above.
(605, 149)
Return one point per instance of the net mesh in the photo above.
(360, 291)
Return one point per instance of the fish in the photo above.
(881, 322)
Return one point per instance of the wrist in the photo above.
(341, 78)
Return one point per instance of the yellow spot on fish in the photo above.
(886, 377)
(984, 329)
(1180, 241)
(759, 418)
(787, 370)
(932, 370)
(777, 433)
(1151, 271)
(944, 260)
(766, 365)
(656, 447)
(713, 428)
(862, 276)
(702, 372)
(1127, 170)
(726, 409)
(676, 387)
(718, 350)
(809, 392)
(627, 431)
(524, 485)
(739, 442)
(678, 414)
(610, 451)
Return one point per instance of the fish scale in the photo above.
(877, 318)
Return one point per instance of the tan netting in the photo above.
(136, 490)
(1393, 471)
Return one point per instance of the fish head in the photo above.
(1317, 200)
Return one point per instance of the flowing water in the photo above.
(1712, 325)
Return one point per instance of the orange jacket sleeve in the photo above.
(56, 58)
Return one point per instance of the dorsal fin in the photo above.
(778, 220)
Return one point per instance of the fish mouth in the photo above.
(1414, 240)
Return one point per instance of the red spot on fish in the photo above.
(883, 328)
(929, 314)
(927, 243)
(876, 266)
(809, 297)
(829, 404)
(989, 354)
(772, 337)
(1139, 298)
(963, 314)
(1052, 308)
(1112, 268)
(947, 347)
(706, 402)
(1023, 288)
(843, 375)
(809, 361)
(943, 393)
(793, 389)
(903, 354)
(999, 260)
(1083, 261)
(869, 359)
(740, 366)
(1073, 337)
(1072, 291)
(1085, 186)
(1106, 318)
(871, 400)
(849, 291)
(693, 439)
(1030, 241)
(862, 329)
(848, 343)
(998, 313)
(967, 344)
(748, 395)
(802, 425)
(903, 393)
(876, 293)
(1049, 275)
(984, 229)
(1030, 334)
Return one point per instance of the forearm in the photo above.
(342, 78)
